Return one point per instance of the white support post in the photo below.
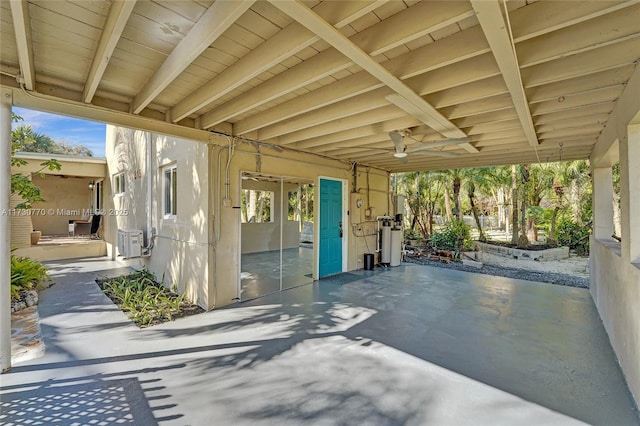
(5, 228)
(631, 190)
(602, 208)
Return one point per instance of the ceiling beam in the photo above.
(286, 43)
(543, 17)
(107, 115)
(411, 66)
(213, 23)
(313, 22)
(496, 31)
(410, 24)
(24, 44)
(119, 13)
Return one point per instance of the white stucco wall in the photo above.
(615, 288)
(189, 251)
(309, 167)
(181, 252)
(615, 269)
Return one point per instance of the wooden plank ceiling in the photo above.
(524, 81)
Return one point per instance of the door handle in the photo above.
(341, 233)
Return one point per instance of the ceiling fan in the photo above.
(402, 151)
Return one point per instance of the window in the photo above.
(170, 190)
(118, 183)
(256, 206)
(98, 195)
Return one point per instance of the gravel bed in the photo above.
(521, 274)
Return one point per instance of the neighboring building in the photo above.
(71, 195)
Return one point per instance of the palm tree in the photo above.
(422, 191)
(478, 178)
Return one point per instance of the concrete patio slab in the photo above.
(410, 345)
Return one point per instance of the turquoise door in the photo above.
(331, 231)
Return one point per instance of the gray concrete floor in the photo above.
(260, 272)
(413, 345)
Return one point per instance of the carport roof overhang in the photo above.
(527, 81)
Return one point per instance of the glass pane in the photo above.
(260, 235)
(297, 233)
(174, 191)
(167, 192)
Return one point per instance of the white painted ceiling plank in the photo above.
(495, 28)
(313, 22)
(410, 24)
(283, 45)
(215, 21)
(24, 44)
(119, 13)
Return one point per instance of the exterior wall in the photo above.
(67, 188)
(615, 270)
(189, 251)
(308, 167)
(180, 255)
(69, 197)
(615, 288)
(21, 226)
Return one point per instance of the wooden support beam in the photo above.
(496, 30)
(317, 25)
(24, 44)
(409, 24)
(283, 45)
(119, 13)
(215, 21)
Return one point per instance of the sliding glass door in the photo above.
(276, 234)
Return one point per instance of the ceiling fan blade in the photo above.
(398, 140)
(445, 154)
(438, 143)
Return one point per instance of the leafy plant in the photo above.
(26, 274)
(143, 299)
(454, 236)
(574, 235)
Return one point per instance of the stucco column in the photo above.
(630, 193)
(5, 228)
(602, 196)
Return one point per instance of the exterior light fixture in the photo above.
(91, 185)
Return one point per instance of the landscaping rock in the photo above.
(17, 305)
(472, 263)
(31, 297)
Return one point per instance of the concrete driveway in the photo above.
(413, 345)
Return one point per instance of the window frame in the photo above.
(170, 210)
(118, 183)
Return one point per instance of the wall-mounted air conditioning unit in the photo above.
(130, 242)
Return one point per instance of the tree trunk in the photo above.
(553, 240)
(447, 204)
(251, 206)
(523, 241)
(617, 224)
(474, 210)
(261, 209)
(514, 207)
(456, 197)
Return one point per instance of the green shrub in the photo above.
(573, 235)
(143, 299)
(26, 274)
(454, 236)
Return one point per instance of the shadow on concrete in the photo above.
(95, 399)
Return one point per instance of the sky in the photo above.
(62, 128)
